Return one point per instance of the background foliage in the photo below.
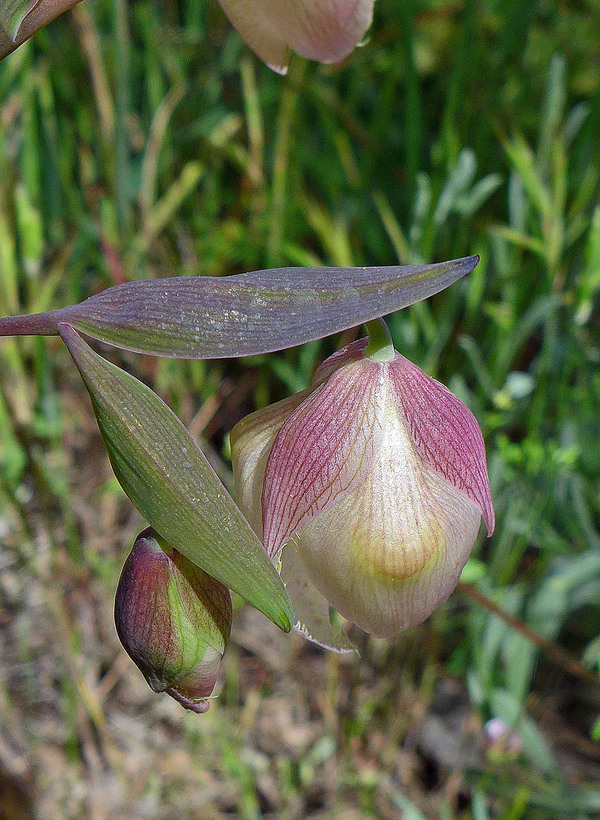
(145, 140)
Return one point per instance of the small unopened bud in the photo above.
(173, 620)
(501, 743)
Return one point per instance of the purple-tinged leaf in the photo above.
(169, 480)
(19, 19)
(199, 317)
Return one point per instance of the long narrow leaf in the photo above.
(200, 317)
(169, 480)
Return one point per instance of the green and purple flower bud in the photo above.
(369, 488)
(173, 620)
(323, 30)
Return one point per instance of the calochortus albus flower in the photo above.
(323, 30)
(368, 488)
(174, 621)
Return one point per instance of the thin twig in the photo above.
(558, 656)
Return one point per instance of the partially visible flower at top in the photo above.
(173, 620)
(369, 487)
(323, 30)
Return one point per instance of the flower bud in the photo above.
(502, 744)
(323, 30)
(173, 620)
(369, 488)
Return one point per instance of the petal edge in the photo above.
(445, 433)
(323, 450)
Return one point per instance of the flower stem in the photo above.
(285, 127)
(380, 347)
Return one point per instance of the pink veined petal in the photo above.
(201, 681)
(259, 28)
(324, 30)
(389, 552)
(251, 442)
(323, 450)
(351, 353)
(444, 432)
(311, 608)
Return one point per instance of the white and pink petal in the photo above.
(389, 552)
(311, 609)
(323, 30)
(444, 432)
(251, 442)
(351, 353)
(324, 450)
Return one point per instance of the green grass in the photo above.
(145, 141)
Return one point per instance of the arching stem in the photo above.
(380, 347)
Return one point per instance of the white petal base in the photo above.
(311, 609)
(400, 540)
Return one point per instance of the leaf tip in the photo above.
(284, 618)
(467, 263)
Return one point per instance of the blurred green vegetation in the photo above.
(146, 141)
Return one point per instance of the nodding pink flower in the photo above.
(173, 620)
(368, 488)
(323, 30)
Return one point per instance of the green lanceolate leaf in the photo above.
(199, 317)
(169, 480)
